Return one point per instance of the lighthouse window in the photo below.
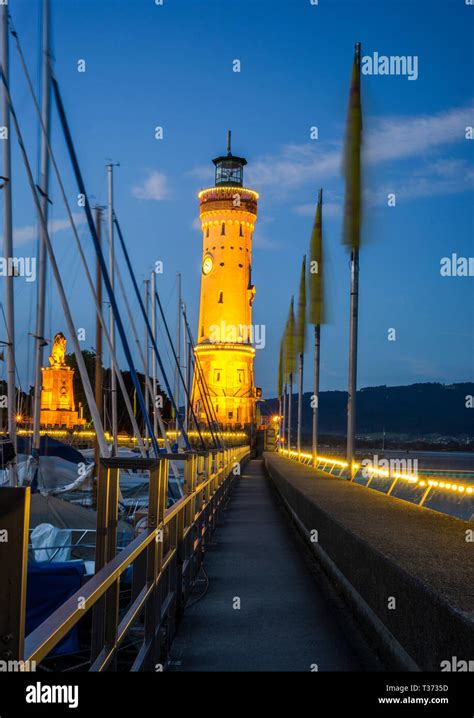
(240, 376)
(241, 234)
(217, 375)
(223, 228)
(221, 298)
(240, 265)
(221, 264)
(207, 232)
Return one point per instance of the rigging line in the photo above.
(207, 403)
(81, 253)
(157, 299)
(150, 333)
(57, 275)
(204, 392)
(159, 417)
(15, 364)
(206, 386)
(100, 256)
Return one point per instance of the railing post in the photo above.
(14, 525)
(102, 520)
(185, 535)
(154, 562)
(208, 471)
(425, 495)
(112, 595)
(190, 485)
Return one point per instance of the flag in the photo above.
(289, 356)
(315, 279)
(281, 368)
(352, 204)
(300, 335)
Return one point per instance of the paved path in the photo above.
(286, 622)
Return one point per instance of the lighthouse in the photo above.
(224, 377)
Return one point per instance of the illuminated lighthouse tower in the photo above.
(224, 350)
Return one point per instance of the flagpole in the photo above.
(317, 338)
(283, 419)
(289, 410)
(352, 383)
(352, 237)
(300, 402)
(279, 417)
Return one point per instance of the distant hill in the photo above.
(415, 410)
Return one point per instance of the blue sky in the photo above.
(171, 66)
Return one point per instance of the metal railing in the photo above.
(426, 480)
(166, 558)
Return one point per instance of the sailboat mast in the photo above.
(185, 366)
(178, 351)
(153, 358)
(8, 239)
(44, 188)
(98, 336)
(113, 378)
(146, 301)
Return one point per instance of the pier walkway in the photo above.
(265, 607)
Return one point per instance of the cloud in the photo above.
(443, 176)
(399, 137)
(30, 232)
(330, 209)
(386, 139)
(261, 239)
(155, 187)
(204, 173)
(293, 166)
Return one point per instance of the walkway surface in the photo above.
(286, 621)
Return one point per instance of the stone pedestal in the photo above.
(57, 398)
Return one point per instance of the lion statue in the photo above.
(58, 351)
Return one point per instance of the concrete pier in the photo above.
(407, 571)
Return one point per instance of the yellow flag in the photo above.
(289, 353)
(352, 170)
(300, 336)
(281, 368)
(315, 276)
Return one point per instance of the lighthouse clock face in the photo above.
(207, 264)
